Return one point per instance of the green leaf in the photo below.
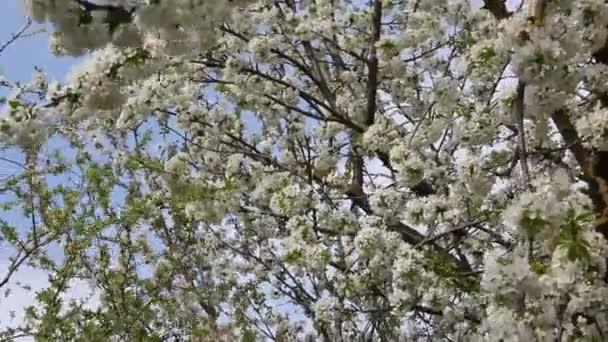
(292, 257)
(570, 237)
(531, 223)
(539, 266)
(249, 336)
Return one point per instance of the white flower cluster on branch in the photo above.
(86, 25)
(387, 170)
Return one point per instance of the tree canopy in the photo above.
(312, 170)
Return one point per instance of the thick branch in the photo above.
(114, 15)
(422, 189)
(372, 64)
(601, 55)
(498, 8)
(571, 138)
(592, 165)
(408, 234)
(518, 111)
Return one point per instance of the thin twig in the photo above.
(17, 35)
(518, 110)
(436, 237)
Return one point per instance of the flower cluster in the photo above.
(300, 170)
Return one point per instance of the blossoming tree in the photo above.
(332, 170)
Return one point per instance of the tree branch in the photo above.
(518, 111)
(432, 239)
(408, 234)
(498, 8)
(17, 35)
(115, 15)
(372, 64)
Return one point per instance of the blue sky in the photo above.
(18, 60)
